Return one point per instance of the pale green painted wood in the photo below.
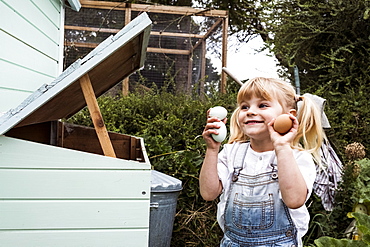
(78, 238)
(11, 98)
(28, 80)
(74, 214)
(74, 184)
(31, 25)
(16, 153)
(30, 46)
(55, 3)
(26, 59)
(51, 196)
(51, 9)
(34, 40)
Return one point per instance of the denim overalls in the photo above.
(254, 214)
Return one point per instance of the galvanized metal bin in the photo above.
(163, 200)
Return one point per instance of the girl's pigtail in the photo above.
(310, 132)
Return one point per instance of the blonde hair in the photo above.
(310, 132)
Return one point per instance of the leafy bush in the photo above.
(171, 126)
(327, 228)
(362, 222)
(348, 117)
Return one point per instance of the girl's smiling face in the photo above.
(255, 113)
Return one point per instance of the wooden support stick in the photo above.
(225, 26)
(125, 82)
(92, 105)
(125, 86)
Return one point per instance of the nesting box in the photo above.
(68, 185)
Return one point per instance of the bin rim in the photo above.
(161, 182)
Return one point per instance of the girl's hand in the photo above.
(291, 182)
(209, 129)
(283, 139)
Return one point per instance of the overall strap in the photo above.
(274, 174)
(238, 163)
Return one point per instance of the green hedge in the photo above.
(171, 126)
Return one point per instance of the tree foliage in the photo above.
(329, 42)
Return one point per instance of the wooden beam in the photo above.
(125, 82)
(176, 10)
(92, 29)
(125, 86)
(133, 148)
(168, 51)
(215, 25)
(149, 49)
(113, 30)
(128, 14)
(81, 44)
(96, 116)
(190, 73)
(184, 35)
(225, 26)
(202, 70)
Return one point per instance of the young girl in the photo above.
(263, 178)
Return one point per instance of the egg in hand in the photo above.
(283, 124)
(221, 113)
(218, 111)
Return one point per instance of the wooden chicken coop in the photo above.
(69, 185)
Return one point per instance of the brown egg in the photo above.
(283, 123)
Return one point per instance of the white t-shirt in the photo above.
(256, 163)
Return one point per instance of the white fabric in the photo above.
(320, 102)
(256, 163)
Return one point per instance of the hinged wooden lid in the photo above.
(113, 60)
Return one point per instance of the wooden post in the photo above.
(127, 13)
(202, 70)
(125, 82)
(190, 74)
(225, 25)
(125, 86)
(92, 105)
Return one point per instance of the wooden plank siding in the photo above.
(56, 187)
(78, 199)
(31, 34)
(19, 154)
(91, 238)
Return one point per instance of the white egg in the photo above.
(218, 111)
(222, 131)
